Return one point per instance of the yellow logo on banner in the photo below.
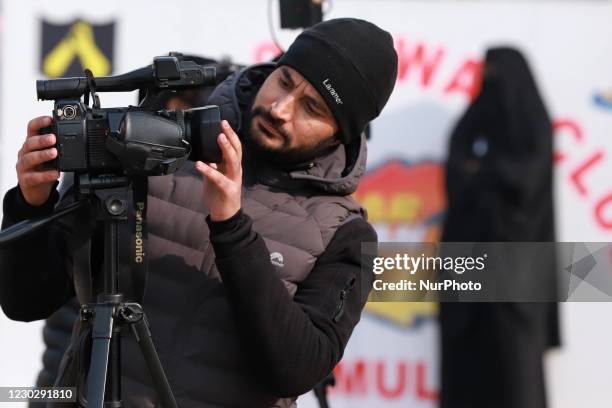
(79, 43)
(404, 314)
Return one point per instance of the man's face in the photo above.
(290, 121)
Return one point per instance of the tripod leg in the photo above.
(101, 337)
(113, 387)
(140, 327)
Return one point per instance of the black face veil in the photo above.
(499, 168)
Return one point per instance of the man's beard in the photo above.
(283, 155)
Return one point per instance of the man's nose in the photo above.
(282, 108)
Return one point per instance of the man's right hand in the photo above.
(35, 181)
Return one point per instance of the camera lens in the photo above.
(69, 112)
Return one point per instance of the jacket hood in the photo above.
(337, 172)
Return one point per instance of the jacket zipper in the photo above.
(343, 295)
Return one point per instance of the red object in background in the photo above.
(602, 209)
(398, 194)
(418, 57)
(384, 379)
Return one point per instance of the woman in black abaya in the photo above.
(500, 189)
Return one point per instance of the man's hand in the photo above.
(223, 182)
(34, 180)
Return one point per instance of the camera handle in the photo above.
(91, 89)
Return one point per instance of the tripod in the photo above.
(111, 313)
(107, 195)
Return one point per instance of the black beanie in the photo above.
(352, 64)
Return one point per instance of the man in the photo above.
(58, 326)
(255, 283)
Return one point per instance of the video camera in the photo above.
(134, 140)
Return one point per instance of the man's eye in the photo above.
(284, 83)
(311, 107)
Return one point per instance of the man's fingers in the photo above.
(211, 174)
(35, 178)
(37, 143)
(233, 139)
(230, 157)
(36, 124)
(32, 159)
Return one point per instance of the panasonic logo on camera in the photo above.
(327, 84)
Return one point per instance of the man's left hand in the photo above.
(223, 181)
